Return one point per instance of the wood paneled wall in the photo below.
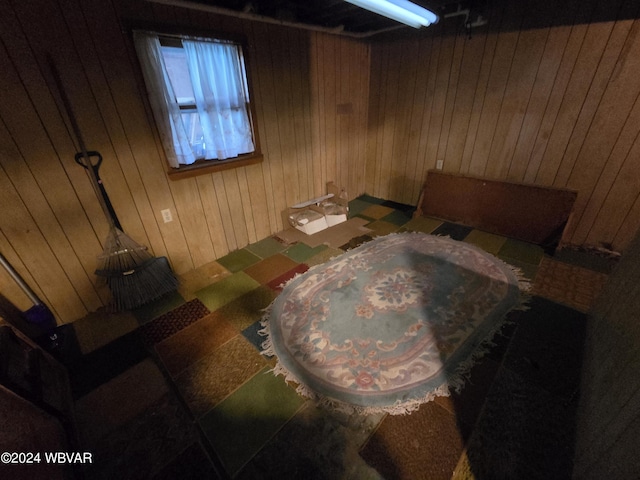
(311, 93)
(553, 105)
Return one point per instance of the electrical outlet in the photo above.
(166, 215)
(439, 164)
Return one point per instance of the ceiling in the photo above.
(341, 17)
(335, 15)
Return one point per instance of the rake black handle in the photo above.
(96, 172)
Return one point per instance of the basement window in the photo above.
(200, 97)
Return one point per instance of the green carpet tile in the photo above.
(238, 260)
(376, 211)
(218, 294)
(248, 308)
(301, 252)
(323, 256)
(397, 217)
(357, 206)
(528, 270)
(267, 247)
(240, 425)
(381, 228)
(422, 224)
(489, 242)
(522, 251)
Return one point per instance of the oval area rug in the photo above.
(391, 324)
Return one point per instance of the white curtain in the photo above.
(218, 81)
(218, 84)
(173, 135)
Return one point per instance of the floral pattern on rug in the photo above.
(392, 323)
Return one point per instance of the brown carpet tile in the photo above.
(166, 325)
(424, 445)
(194, 342)
(571, 285)
(207, 382)
(269, 268)
(278, 282)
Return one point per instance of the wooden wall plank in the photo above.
(592, 101)
(212, 215)
(613, 197)
(501, 65)
(480, 91)
(30, 242)
(423, 139)
(554, 102)
(524, 69)
(465, 94)
(245, 201)
(547, 73)
(406, 78)
(264, 175)
(234, 197)
(330, 57)
(271, 135)
(534, 102)
(586, 65)
(596, 163)
(373, 121)
(456, 45)
(439, 96)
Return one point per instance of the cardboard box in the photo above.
(309, 219)
(319, 214)
(337, 207)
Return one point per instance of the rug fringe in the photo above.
(455, 383)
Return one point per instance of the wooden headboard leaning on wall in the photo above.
(526, 212)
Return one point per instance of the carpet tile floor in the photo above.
(179, 388)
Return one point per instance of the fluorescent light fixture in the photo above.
(402, 11)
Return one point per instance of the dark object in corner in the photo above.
(531, 213)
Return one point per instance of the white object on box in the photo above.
(335, 213)
(335, 219)
(308, 221)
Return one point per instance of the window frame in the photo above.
(206, 166)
